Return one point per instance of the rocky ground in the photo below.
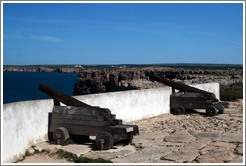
(188, 138)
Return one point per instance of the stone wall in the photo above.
(25, 123)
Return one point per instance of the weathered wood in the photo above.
(113, 116)
(79, 122)
(69, 110)
(106, 110)
(80, 113)
(185, 88)
(70, 101)
(78, 117)
(104, 141)
(83, 121)
(60, 135)
(120, 132)
(189, 102)
(75, 129)
(118, 121)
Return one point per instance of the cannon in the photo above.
(78, 120)
(189, 98)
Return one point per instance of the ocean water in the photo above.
(23, 86)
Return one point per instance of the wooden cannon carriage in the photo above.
(81, 120)
(188, 98)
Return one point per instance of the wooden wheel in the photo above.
(60, 135)
(104, 141)
(211, 110)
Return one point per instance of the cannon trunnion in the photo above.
(80, 122)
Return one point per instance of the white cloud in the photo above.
(48, 38)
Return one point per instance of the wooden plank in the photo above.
(78, 117)
(74, 110)
(90, 130)
(106, 110)
(113, 116)
(79, 122)
(118, 121)
(77, 111)
(75, 114)
(189, 102)
(125, 128)
(119, 132)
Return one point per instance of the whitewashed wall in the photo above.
(25, 123)
(210, 87)
(132, 105)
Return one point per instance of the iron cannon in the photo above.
(189, 98)
(79, 120)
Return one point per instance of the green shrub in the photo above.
(67, 142)
(80, 159)
(231, 92)
(88, 160)
(27, 153)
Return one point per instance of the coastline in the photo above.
(81, 68)
(41, 69)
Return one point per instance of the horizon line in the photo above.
(133, 64)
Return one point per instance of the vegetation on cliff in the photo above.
(231, 92)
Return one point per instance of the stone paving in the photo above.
(189, 138)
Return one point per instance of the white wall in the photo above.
(25, 123)
(210, 87)
(134, 104)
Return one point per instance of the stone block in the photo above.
(180, 136)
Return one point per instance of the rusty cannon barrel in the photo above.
(70, 101)
(185, 88)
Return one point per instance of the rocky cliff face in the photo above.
(99, 81)
(41, 69)
(118, 79)
(105, 81)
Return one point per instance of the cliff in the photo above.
(42, 69)
(98, 81)
(106, 78)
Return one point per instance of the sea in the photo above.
(23, 86)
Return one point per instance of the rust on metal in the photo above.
(70, 101)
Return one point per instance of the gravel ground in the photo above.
(188, 138)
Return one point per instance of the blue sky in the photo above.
(122, 33)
